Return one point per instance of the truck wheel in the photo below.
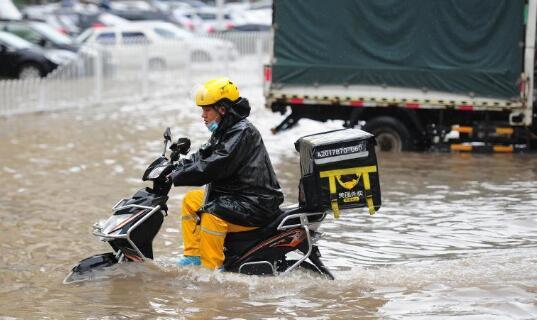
(390, 133)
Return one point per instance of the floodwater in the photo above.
(456, 236)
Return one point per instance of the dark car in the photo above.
(20, 59)
(39, 33)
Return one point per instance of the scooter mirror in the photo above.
(168, 134)
(183, 145)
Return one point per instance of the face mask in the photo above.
(212, 126)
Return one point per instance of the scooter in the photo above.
(136, 221)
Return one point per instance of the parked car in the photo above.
(202, 49)
(260, 15)
(39, 33)
(67, 20)
(135, 10)
(129, 45)
(71, 20)
(167, 45)
(169, 5)
(209, 15)
(8, 10)
(21, 59)
(107, 19)
(253, 16)
(188, 19)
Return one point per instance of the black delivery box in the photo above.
(338, 171)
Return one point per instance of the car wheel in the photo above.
(391, 134)
(156, 64)
(200, 56)
(29, 71)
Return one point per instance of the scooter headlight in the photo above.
(155, 173)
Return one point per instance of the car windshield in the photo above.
(14, 41)
(84, 36)
(51, 34)
(207, 15)
(212, 16)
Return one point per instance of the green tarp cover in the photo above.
(457, 46)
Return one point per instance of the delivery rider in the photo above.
(242, 191)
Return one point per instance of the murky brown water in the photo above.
(456, 236)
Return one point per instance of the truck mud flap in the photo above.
(287, 123)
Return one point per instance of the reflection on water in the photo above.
(456, 234)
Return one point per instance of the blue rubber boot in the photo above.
(188, 261)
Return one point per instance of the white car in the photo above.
(132, 46)
(202, 49)
(210, 16)
(163, 44)
(9, 11)
(188, 19)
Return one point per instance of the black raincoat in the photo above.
(243, 188)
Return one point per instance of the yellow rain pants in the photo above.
(207, 238)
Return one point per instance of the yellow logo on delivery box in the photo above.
(335, 175)
(349, 184)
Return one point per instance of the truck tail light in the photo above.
(267, 72)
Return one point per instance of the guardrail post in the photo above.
(145, 71)
(259, 52)
(187, 70)
(98, 72)
(42, 98)
(227, 55)
(5, 103)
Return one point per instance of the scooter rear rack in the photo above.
(304, 224)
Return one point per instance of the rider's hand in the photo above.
(169, 176)
(174, 156)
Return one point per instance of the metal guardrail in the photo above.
(138, 70)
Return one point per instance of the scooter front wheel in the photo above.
(82, 270)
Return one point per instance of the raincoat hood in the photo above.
(239, 110)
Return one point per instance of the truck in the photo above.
(419, 74)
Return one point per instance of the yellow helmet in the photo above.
(216, 90)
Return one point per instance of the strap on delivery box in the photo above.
(363, 172)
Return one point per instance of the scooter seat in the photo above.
(269, 230)
(237, 244)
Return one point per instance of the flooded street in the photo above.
(456, 235)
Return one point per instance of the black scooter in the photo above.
(136, 221)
